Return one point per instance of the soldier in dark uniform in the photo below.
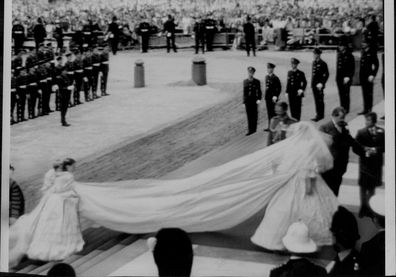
(22, 82)
(199, 30)
(87, 79)
(368, 69)
(39, 32)
(58, 36)
(279, 123)
(251, 98)
(49, 52)
(104, 69)
(250, 36)
(31, 59)
(69, 66)
(273, 88)
(320, 75)
(114, 34)
(78, 38)
(43, 90)
(95, 71)
(371, 32)
(14, 95)
(210, 31)
(169, 29)
(87, 33)
(144, 32)
(65, 87)
(78, 76)
(344, 74)
(299, 244)
(17, 61)
(32, 91)
(296, 85)
(18, 34)
(50, 82)
(346, 233)
(55, 86)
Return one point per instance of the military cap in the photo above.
(251, 68)
(317, 51)
(295, 61)
(270, 65)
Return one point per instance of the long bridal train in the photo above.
(223, 196)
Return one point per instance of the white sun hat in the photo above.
(377, 203)
(297, 239)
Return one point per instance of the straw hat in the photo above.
(297, 239)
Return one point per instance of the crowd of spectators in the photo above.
(335, 16)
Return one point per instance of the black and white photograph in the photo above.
(198, 138)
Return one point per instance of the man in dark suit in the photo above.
(320, 75)
(273, 88)
(346, 233)
(114, 35)
(144, 31)
(368, 69)
(169, 29)
(342, 141)
(344, 74)
(199, 33)
(296, 84)
(279, 124)
(251, 98)
(298, 243)
(372, 252)
(372, 138)
(250, 37)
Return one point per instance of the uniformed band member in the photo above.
(70, 70)
(199, 33)
(18, 34)
(320, 75)
(368, 69)
(299, 244)
(32, 91)
(65, 87)
(104, 69)
(14, 96)
(114, 35)
(87, 62)
(273, 88)
(44, 93)
(144, 32)
(55, 86)
(296, 85)
(169, 29)
(210, 31)
(251, 98)
(279, 123)
(78, 76)
(22, 82)
(95, 71)
(344, 74)
(250, 36)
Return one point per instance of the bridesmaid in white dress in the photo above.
(305, 196)
(52, 230)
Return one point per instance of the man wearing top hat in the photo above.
(296, 85)
(368, 69)
(372, 138)
(250, 37)
(346, 233)
(300, 245)
(372, 252)
(320, 74)
(251, 98)
(344, 73)
(273, 88)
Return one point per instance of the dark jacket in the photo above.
(368, 65)
(320, 72)
(251, 91)
(372, 256)
(273, 86)
(340, 146)
(248, 29)
(170, 27)
(295, 80)
(345, 66)
(370, 168)
(347, 267)
(114, 29)
(18, 32)
(299, 267)
(39, 33)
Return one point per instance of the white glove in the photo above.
(258, 102)
(319, 86)
(274, 98)
(300, 91)
(70, 87)
(371, 78)
(85, 79)
(346, 80)
(55, 88)
(40, 91)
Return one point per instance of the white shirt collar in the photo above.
(336, 126)
(343, 254)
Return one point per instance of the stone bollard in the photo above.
(139, 74)
(199, 71)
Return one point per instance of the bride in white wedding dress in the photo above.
(215, 199)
